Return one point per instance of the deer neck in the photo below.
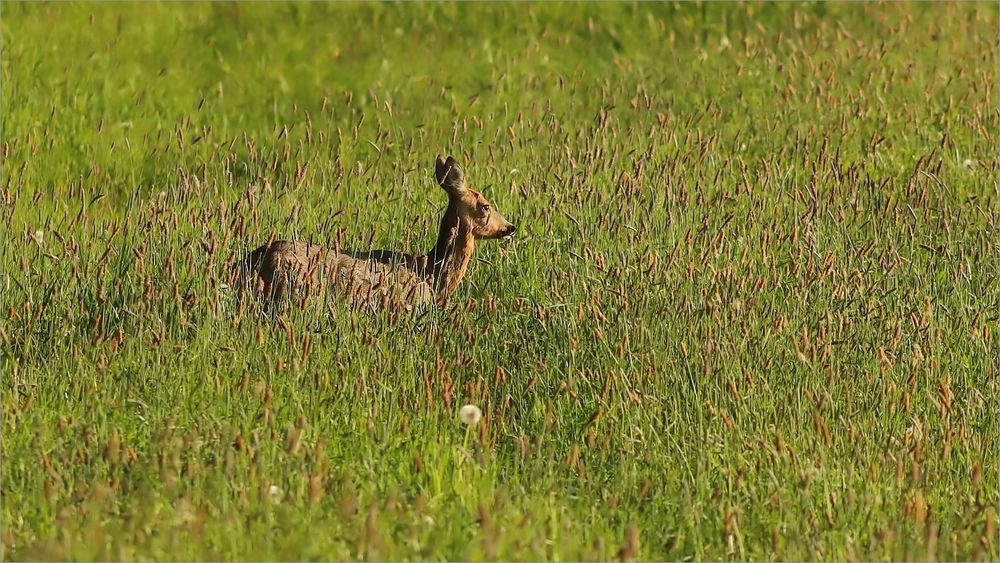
(449, 259)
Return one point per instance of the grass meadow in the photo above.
(750, 312)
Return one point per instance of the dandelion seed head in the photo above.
(470, 414)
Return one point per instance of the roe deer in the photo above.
(282, 267)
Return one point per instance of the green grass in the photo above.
(750, 313)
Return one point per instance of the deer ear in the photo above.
(449, 175)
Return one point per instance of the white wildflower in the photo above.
(275, 493)
(470, 414)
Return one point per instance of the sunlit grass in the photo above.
(750, 312)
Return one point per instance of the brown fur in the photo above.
(281, 268)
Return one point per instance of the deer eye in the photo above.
(485, 208)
